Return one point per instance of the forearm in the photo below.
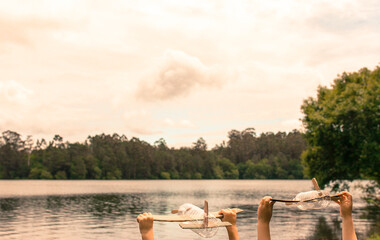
(263, 232)
(147, 236)
(348, 230)
(233, 232)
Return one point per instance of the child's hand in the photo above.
(345, 202)
(264, 213)
(145, 221)
(228, 216)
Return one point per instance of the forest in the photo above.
(244, 156)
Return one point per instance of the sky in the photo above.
(177, 70)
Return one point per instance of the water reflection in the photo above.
(371, 213)
(112, 215)
(58, 216)
(325, 231)
(7, 205)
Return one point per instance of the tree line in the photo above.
(244, 156)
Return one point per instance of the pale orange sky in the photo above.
(174, 70)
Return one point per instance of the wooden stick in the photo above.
(316, 186)
(205, 218)
(285, 201)
(315, 183)
(290, 202)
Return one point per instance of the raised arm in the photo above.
(348, 230)
(264, 214)
(230, 216)
(145, 221)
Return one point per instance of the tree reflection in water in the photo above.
(372, 212)
(8, 204)
(324, 231)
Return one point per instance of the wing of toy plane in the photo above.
(201, 225)
(191, 225)
(179, 218)
(316, 187)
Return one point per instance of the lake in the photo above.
(97, 209)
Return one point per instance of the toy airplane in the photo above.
(316, 187)
(205, 224)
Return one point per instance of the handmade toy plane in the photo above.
(317, 188)
(184, 218)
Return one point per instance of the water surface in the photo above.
(39, 209)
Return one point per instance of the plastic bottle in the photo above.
(195, 212)
(321, 200)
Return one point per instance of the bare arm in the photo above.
(348, 230)
(145, 221)
(264, 214)
(230, 216)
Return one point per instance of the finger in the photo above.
(264, 200)
(346, 194)
(349, 196)
(341, 196)
(344, 197)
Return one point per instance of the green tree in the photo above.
(343, 129)
(165, 175)
(13, 156)
(45, 174)
(228, 168)
(78, 168)
(35, 173)
(60, 175)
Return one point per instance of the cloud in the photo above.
(140, 122)
(178, 124)
(177, 75)
(20, 31)
(12, 92)
(144, 123)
